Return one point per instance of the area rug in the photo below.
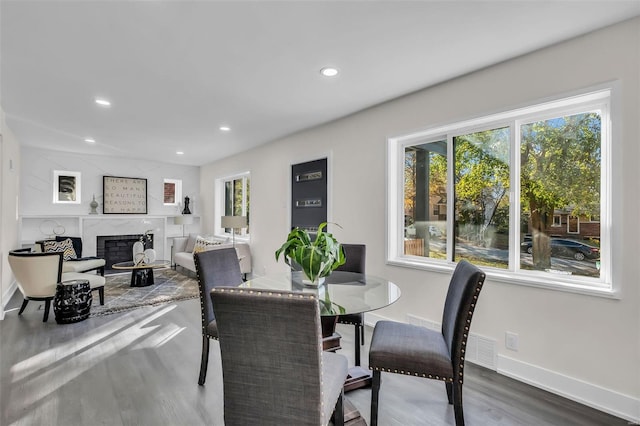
(119, 296)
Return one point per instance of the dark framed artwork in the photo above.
(124, 195)
(66, 187)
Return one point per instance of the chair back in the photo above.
(356, 256)
(37, 274)
(270, 345)
(464, 289)
(215, 268)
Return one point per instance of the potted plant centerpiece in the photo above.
(317, 258)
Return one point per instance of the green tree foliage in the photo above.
(560, 168)
(481, 179)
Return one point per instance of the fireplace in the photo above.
(117, 248)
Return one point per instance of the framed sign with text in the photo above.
(123, 195)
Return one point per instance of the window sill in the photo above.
(532, 279)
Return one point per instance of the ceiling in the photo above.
(175, 71)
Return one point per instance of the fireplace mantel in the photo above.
(89, 227)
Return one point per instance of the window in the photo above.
(236, 200)
(172, 192)
(496, 191)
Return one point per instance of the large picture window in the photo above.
(495, 191)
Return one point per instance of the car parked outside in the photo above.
(561, 247)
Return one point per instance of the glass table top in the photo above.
(341, 293)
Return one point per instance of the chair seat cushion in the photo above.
(212, 330)
(95, 281)
(409, 349)
(82, 265)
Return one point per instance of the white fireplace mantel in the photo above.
(89, 227)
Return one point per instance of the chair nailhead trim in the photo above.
(410, 373)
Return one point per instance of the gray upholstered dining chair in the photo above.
(214, 268)
(417, 351)
(355, 255)
(273, 367)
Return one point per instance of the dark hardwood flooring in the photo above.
(141, 368)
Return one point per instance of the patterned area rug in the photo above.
(119, 296)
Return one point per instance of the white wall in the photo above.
(585, 347)
(10, 172)
(36, 187)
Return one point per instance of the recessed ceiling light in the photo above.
(225, 128)
(180, 152)
(329, 71)
(89, 140)
(103, 102)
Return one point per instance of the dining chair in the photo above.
(214, 268)
(355, 255)
(417, 351)
(273, 367)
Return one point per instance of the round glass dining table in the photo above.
(341, 293)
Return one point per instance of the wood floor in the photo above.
(141, 368)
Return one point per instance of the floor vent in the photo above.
(480, 350)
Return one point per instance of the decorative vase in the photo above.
(94, 205)
(312, 283)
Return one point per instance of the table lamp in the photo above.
(183, 220)
(233, 222)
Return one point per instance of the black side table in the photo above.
(72, 302)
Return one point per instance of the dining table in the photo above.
(341, 293)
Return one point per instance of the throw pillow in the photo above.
(202, 244)
(66, 247)
(191, 243)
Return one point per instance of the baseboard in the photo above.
(606, 400)
(7, 296)
(602, 399)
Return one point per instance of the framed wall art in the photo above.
(172, 193)
(66, 187)
(124, 195)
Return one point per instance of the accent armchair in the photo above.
(37, 275)
(72, 252)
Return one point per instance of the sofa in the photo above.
(183, 249)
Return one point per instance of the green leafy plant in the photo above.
(317, 258)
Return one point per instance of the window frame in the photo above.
(597, 98)
(244, 233)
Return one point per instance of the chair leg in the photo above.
(205, 360)
(457, 403)
(101, 295)
(47, 306)
(24, 305)
(449, 392)
(375, 391)
(338, 412)
(357, 344)
(362, 333)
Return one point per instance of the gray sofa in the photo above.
(183, 252)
